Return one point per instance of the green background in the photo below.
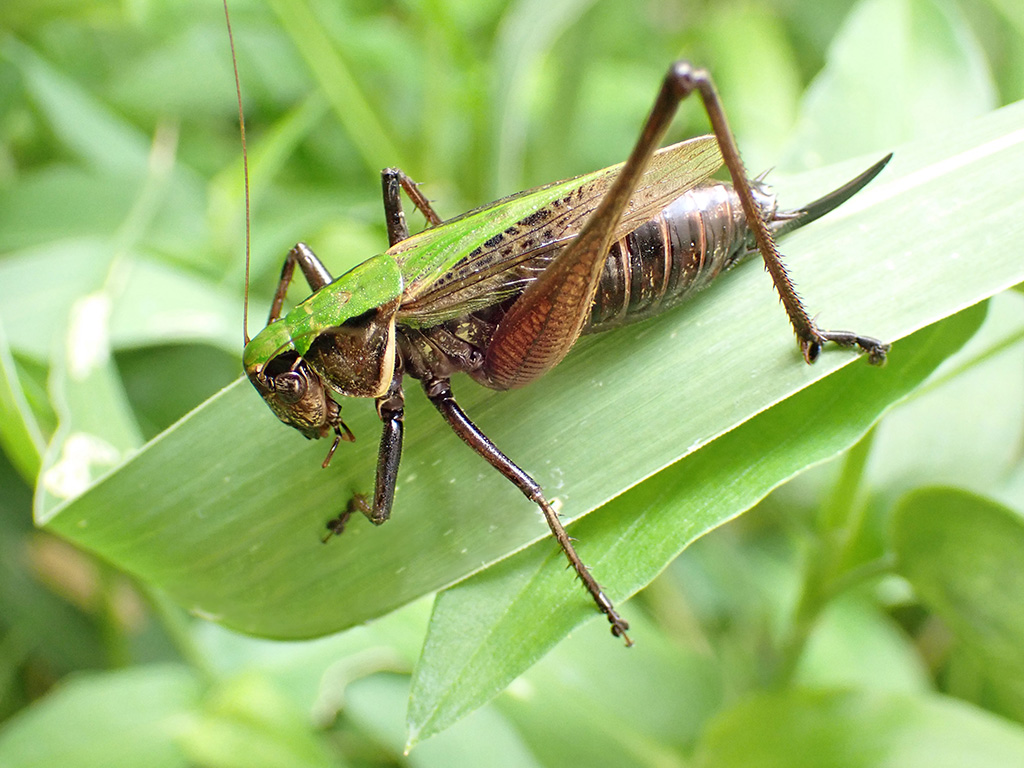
(865, 611)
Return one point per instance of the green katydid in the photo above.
(503, 292)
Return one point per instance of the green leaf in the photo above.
(529, 30)
(337, 83)
(20, 434)
(643, 708)
(85, 126)
(490, 628)
(34, 311)
(225, 509)
(855, 644)
(850, 730)
(761, 109)
(926, 74)
(248, 723)
(487, 738)
(160, 305)
(97, 429)
(964, 555)
(976, 400)
(109, 720)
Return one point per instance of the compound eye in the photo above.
(290, 386)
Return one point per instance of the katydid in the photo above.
(503, 292)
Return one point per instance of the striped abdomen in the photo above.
(673, 255)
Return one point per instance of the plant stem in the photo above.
(839, 524)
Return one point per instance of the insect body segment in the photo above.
(689, 243)
(503, 292)
(665, 260)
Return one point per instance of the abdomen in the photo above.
(673, 255)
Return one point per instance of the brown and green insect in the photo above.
(503, 292)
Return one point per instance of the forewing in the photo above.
(465, 263)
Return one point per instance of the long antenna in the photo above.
(245, 171)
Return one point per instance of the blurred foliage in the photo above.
(867, 611)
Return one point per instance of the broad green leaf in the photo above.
(487, 738)
(246, 722)
(975, 400)
(964, 555)
(643, 708)
(854, 730)
(161, 305)
(855, 644)
(224, 510)
(926, 74)
(489, 629)
(85, 125)
(97, 427)
(106, 720)
(20, 434)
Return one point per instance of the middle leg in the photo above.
(440, 394)
(391, 410)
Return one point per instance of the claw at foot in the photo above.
(876, 350)
(810, 349)
(877, 353)
(619, 627)
(619, 624)
(336, 525)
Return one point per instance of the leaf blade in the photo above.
(224, 510)
(489, 629)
